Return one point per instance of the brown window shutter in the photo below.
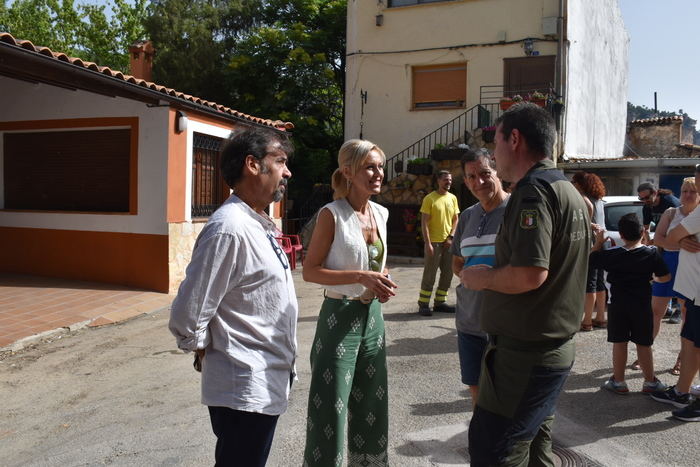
(440, 86)
(76, 170)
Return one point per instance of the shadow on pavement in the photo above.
(412, 346)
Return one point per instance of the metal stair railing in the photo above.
(452, 132)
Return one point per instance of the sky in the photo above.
(664, 53)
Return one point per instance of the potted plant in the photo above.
(420, 166)
(538, 98)
(558, 105)
(410, 218)
(488, 133)
(398, 166)
(442, 153)
(507, 102)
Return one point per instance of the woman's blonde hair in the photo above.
(352, 154)
(688, 181)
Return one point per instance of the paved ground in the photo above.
(124, 395)
(32, 305)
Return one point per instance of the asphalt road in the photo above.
(123, 395)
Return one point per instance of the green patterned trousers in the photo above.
(348, 381)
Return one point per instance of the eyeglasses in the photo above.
(373, 253)
(644, 198)
(281, 255)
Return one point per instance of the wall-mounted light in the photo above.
(379, 20)
(529, 46)
(180, 121)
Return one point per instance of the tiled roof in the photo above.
(657, 120)
(45, 51)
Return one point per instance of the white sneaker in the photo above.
(695, 389)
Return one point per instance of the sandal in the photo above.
(636, 365)
(676, 370)
(602, 324)
(586, 327)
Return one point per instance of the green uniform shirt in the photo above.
(546, 224)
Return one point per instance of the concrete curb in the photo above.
(36, 338)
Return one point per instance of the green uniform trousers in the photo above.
(518, 390)
(441, 259)
(348, 381)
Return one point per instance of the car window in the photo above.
(615, 212)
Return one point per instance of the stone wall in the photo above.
(658, 140)
(407, 188)
(181, 238)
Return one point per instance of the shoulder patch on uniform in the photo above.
(528, 219)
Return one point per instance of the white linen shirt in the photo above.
(687, 280)
(238, 302)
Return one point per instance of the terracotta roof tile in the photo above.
(60, 56)
(657, 120)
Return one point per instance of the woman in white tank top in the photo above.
(347, 254)
(662, 293)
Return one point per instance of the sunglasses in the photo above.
(644, 198)
(281, 255)
(373, 253)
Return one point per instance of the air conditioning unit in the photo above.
(550, 26)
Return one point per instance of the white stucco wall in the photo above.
(23, 101)
(596, 93)
(449, 28)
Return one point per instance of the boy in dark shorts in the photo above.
(630, 270)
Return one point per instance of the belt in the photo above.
(519, 344)
(338, 296)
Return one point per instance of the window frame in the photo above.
(218, 189)
(438, 104)
(78, 124)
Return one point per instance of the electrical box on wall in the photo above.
(549, 26)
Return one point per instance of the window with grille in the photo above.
(440, 86)
(209, 190)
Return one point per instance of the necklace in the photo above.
(367, 225)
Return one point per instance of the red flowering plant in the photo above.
(409, 216)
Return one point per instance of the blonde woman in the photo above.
(347, 254)
(662, 293)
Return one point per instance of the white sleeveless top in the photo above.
(678, 216)
(348, 251)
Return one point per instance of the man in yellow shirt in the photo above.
(439, 213)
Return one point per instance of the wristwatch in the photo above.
(450, 237)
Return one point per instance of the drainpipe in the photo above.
(559, 80)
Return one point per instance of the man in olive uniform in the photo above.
(533, 300)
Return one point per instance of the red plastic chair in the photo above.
(295, 244)
(286, 245)
(295, 240)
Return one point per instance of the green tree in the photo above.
(279, 59)
(192, 39)
(297, 58)
(84, 31)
